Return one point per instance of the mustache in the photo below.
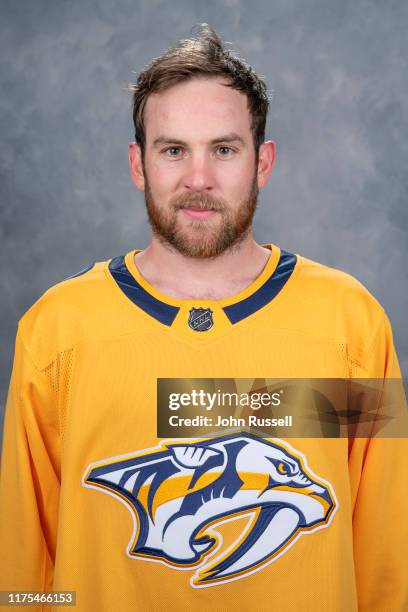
(203, 202)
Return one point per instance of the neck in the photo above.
(218, 277)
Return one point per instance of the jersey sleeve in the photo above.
(380, 526)
(29, 478)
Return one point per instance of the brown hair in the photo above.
(203, 55)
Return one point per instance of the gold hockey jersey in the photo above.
(92, 501)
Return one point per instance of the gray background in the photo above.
(339, 117)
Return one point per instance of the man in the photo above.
(232, 521)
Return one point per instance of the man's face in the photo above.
(200, 169)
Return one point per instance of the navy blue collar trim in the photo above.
(165, 313)
(159, 310)
(238, 311)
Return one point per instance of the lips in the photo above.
(199, 213)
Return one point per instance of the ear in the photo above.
(136, 166)
(266, 161)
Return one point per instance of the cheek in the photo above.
(235, 183)
(163, 179)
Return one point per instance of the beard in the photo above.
(202, 238)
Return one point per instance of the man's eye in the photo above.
(170, 151)
(225, 148)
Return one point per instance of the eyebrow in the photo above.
(232, 137)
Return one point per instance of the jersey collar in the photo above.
(166, 309)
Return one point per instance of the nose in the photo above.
(199, 173)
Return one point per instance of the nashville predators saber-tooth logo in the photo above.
(186, 497)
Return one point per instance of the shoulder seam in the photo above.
(360, 362)
(26, 350)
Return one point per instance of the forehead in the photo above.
(199, 107)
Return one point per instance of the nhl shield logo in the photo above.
(201, 319)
